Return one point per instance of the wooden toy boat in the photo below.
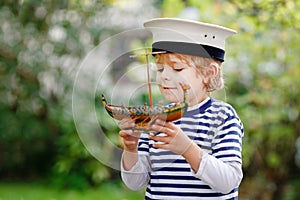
(144, 115)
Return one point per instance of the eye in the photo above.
(160, 69)
(178, 70)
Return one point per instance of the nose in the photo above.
(166, 73)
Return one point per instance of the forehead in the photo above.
(172, 58)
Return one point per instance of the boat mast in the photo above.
(149, 81)
(148, 71)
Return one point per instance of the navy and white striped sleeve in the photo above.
(222, 169)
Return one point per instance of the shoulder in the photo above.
(219, 106)
(230, 124)
(225, 113)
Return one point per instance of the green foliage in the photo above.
(29, 191)
(174, 9)
(41, 46)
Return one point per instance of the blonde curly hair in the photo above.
(215, 81)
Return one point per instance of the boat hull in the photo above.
(145, 115)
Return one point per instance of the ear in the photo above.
(210, 71)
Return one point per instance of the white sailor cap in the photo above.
(188, 37)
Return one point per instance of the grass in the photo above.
(32, 191)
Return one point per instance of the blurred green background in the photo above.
(43, 42)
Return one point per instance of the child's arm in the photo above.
(130, 143)
(221, 176)
(134, 168)
(177, 142)
(130, 153)
(138, 176)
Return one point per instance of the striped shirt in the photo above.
(215, 127)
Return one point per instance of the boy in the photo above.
(198, 156)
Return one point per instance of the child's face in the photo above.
(173, 69)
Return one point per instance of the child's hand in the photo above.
(175, 140)
(130, 138)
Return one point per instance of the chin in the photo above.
(172, 96)
(172, 99)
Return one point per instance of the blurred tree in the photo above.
(42, 43)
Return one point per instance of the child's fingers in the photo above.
(159, 128)
(162, 141)
(165, 127)
(161, 146)
(129, 134)
(164, 123)
(125, 133)
(126, 123)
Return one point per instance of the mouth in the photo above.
(168, 88)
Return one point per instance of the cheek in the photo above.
(158, 77)
(188, 77)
